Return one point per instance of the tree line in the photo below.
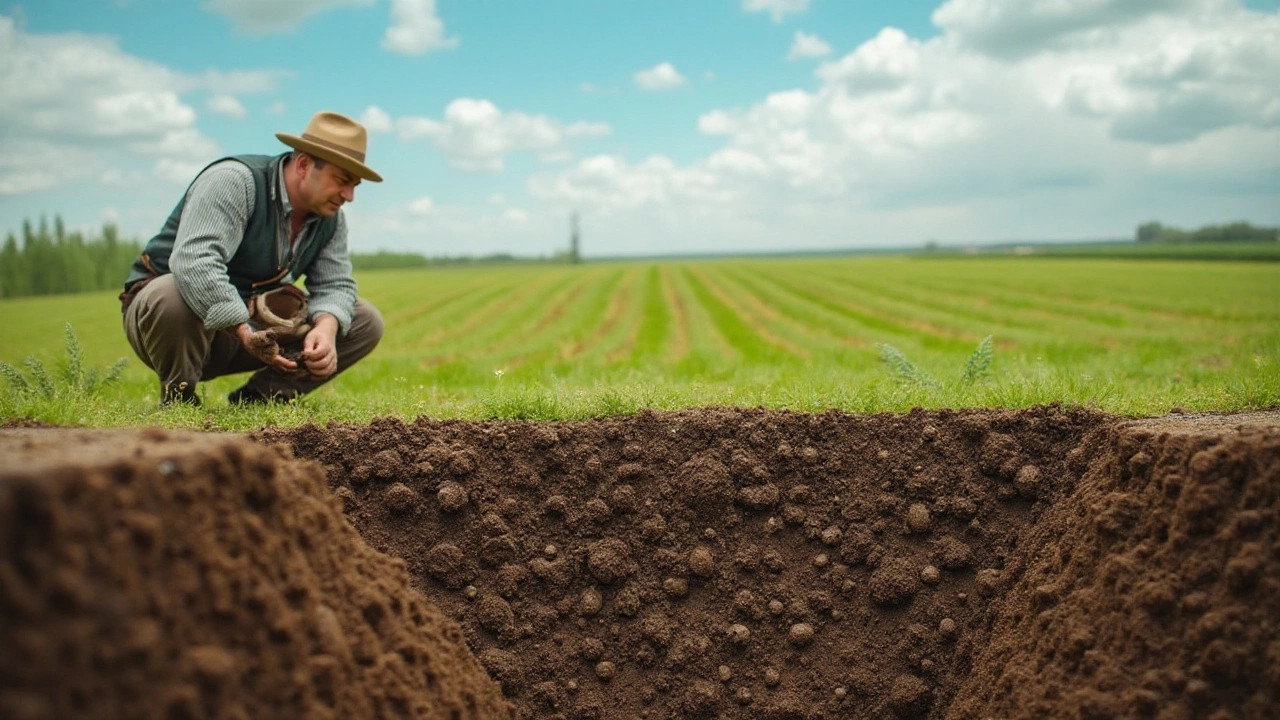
(1154, 232)
(48, 261)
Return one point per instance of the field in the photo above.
(1128, 336)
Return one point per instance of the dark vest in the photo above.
(255, 267)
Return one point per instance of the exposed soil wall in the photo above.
(712, 563)
(732, 563)
(175, 576)
(1153, 590)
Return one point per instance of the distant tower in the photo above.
(575, 255)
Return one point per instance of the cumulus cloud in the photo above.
(74, 105)
(807, 46)
(516, 216)
(235, 82)
(422, 206)
(945, 137)
(226, 105)
(375, 119)
(259, 17)
(777, 9)
(1016, 28)
(662, 76)
(476, 135)
(416, 29)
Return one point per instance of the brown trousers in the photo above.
(173, 341)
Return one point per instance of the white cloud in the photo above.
(236, 82)
(422, 206)
(376, 120)
(476, 135)
(807, 46)
(515, 216)
(416, 29)
(260, 17)
(74, 106)
(1015, 28)
(717, 122)
(662, 76)
(905, 139)
(177, 172)
(275, 108)
(226, 105)
(777, 9)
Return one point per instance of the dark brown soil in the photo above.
(1151, 591)
(716, 563)
(184, 576)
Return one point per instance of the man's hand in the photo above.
(319, 350)
(262, 345)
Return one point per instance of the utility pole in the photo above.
(575, 255)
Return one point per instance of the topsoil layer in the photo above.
(180, 576)
(710, 563)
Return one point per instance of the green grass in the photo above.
(1128, 336)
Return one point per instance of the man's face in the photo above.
(325, 190)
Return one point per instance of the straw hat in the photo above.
(337, 139)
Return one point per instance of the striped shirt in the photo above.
(210, 230)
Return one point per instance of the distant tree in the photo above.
(13, 272)
(1154, 232)
(1149, 232)
(48, 262)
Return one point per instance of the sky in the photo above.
(668, 126)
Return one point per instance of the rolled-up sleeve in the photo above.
(214, 217)
(329, 280)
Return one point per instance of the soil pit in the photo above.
(718, 563)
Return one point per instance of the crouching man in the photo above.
(213, 294)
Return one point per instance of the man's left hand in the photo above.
(319, 349)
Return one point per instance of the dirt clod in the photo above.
(919, 520)
(909, 696)
(800, 634)
(894, 582)
(451, 496)
(702, 562)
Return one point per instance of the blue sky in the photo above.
(715, 125)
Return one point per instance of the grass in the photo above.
(1129, 336)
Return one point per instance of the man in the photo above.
(249, 225)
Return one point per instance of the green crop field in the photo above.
(1128, 336)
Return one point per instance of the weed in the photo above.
(72, 380)
(976, 367)
(979, 363)
(902, 368)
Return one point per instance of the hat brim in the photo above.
(345, 162)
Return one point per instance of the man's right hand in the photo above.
(262, 345)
